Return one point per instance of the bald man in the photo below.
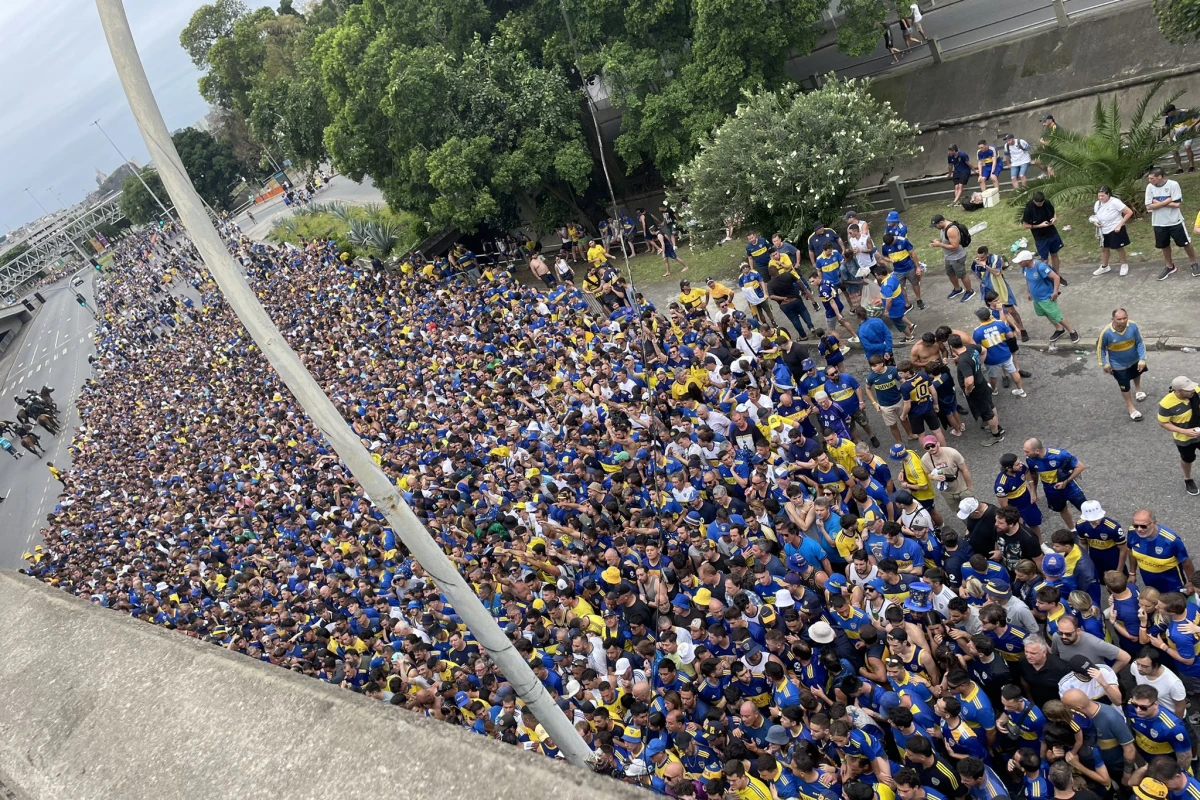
(1112, 732)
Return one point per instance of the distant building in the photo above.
(100, 177)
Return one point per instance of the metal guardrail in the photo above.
(942, 46)
(57, 243)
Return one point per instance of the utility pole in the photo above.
(378, 486)
(137, 172)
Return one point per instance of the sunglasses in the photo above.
(1141, 707)
(931, 447)
(1139, 527)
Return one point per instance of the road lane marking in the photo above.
(65, 349)
(39, 368)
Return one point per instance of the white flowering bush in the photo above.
(787, 158)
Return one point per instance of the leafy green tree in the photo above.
(1114, 153)
(862, 26)
(787, 158)
(136, 203)
(462, 135)
(213, 167)
(208, 24)
(1179, 20)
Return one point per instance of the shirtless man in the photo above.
(925, 351)
(941, 335)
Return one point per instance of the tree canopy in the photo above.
(136, 203)
(211, 164)
(787, 158)
(1178, 20)
(469, 111)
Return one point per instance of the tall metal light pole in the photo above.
(59, 196)
(313, 401)
(39, 202)
(137, 172)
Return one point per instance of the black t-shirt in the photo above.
(982, 532)
(783, 285)
(748, 438)
(1034, 215)
(1043, 683)
(794, 359)
(1017, 545)
(970, 365)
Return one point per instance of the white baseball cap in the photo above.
(1024, 255)
(967, 507)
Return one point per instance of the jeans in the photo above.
(796, 311)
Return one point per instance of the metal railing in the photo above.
(1052, 12)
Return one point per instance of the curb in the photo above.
(1182, 344)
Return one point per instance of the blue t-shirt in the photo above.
(992, 338)
(844, 392)
(1037, 275)
(891, 290)
(919, 390)
(759, 252)
(959, 162)
(886, 386)
(900, 252)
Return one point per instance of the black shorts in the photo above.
(1164, 235)
(924, 422)
(1125, 376)
(980, 403)
(1117, 239)
(1187, 450)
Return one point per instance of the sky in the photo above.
(60, 77)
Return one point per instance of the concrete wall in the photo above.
(97, 706)
(1091, 52)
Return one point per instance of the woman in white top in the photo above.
(914, 11)
(1110, 217)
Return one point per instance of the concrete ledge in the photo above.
(97, 706)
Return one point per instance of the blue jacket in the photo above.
(875, 337)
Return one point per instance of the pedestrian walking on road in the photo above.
(1179, 413)
(8, 448)
(1121, 352)
(1057, 470)
(948, 470)
(1110, 216)
(890, 43)
(1044, 285)
(1164, 200)
(57, 473)
(915, 16)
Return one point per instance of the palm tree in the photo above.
(1105, 156)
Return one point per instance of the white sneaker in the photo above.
(1103, 268)
(1124, 270)
(1019, 392)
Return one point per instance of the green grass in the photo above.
(1004, 228)
(105, 259)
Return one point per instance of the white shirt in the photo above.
(1110, 214)
(915, 13)
(941, 600)
(1170, 687)
(1091, 687)
(753, 346)
(864, 259)
(1164, 217)
(1017, 152)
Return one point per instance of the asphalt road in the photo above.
(1072, 404)
(340, 189)
(955, 25)
(53, 351)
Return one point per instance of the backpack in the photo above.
(964, 235)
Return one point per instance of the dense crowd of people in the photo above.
(679, 518)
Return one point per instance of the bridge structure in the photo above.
(57, 240)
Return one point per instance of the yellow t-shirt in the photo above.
(596, 255)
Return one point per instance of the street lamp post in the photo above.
(137, 172)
